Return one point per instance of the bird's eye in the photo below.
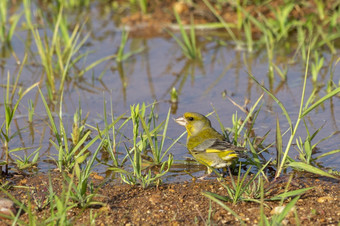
(190, 118)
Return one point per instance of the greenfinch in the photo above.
(205, 144)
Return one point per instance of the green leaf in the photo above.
(275, 99)
(119, 170)
(82, 158)
(77, 170)
(323, 99)
(291, 193)
(311, 169)
(217, 196)
(286, 210)
(210, 196)
(52, 123)
(279, 151)
(328, 153)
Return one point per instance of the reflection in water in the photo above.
(123, 79)
(151, 74)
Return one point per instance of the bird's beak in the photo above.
(181, 121)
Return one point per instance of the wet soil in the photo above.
(181, 203)
(160, 15)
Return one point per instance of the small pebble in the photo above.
(279, 209)
(285, 222)
(155, 199)
(7, 207)
(180, 7)
(324, 199)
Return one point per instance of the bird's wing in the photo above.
(216, 145)
(208, 143)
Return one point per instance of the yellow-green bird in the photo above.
(205, 144)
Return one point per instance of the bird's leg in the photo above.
(225, 172)
(229, 170)
(208, 174)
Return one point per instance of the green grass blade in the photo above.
(222, 21)
(311, 169)
(217, 196)
(52, 123)
(279, 151)
(328, 153)
(173, 143)
(287, 209)
(165, 129)
(208, 195)
(95, 64)
(80, 143)
(250, 113)
(320, 101)
(290, 193)
(148, 134)
(94, 156)
(183, 33)
(275, 99)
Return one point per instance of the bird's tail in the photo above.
(241, 152)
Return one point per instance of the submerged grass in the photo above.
(305, 108)
(8, 23)
(68, 154)
(59, 55)
(144, 171)
(188, 42)
(10, 107)
(145, 158)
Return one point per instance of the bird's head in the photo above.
(193, 122)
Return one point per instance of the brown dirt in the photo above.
(182, 203)
(160, 14)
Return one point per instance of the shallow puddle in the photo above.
(149, 76)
